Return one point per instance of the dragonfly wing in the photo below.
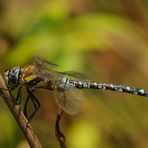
(37, 61)
(75, 74)
(69, 100)
(42, 61)
(43, 71)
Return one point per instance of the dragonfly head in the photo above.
(12, 77)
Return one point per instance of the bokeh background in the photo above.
(105, 40)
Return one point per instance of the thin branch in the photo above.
(60, 136)
(19, 116)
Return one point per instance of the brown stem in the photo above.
(19, 116)
(60, 136)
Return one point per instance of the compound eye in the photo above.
(12, 77)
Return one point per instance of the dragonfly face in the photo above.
(12, 77)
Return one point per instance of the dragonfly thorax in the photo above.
(12, 77)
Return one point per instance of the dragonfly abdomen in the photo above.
(112, 87)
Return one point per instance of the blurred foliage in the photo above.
(106, 41)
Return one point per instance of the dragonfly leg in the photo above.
(19, 96)
(60, 136)
(35, 103)
(25, 106)
(17, 100)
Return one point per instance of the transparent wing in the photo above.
(75, 74)
(35, 60)
(43, 69)
(69, 100)
(41, 61)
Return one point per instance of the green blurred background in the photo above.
(105, 40)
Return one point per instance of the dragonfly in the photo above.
(66, 85)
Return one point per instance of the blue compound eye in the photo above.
(12, 77)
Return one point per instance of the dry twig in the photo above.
(60, 136)
(19, 116)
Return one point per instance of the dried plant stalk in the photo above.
(19, 116)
